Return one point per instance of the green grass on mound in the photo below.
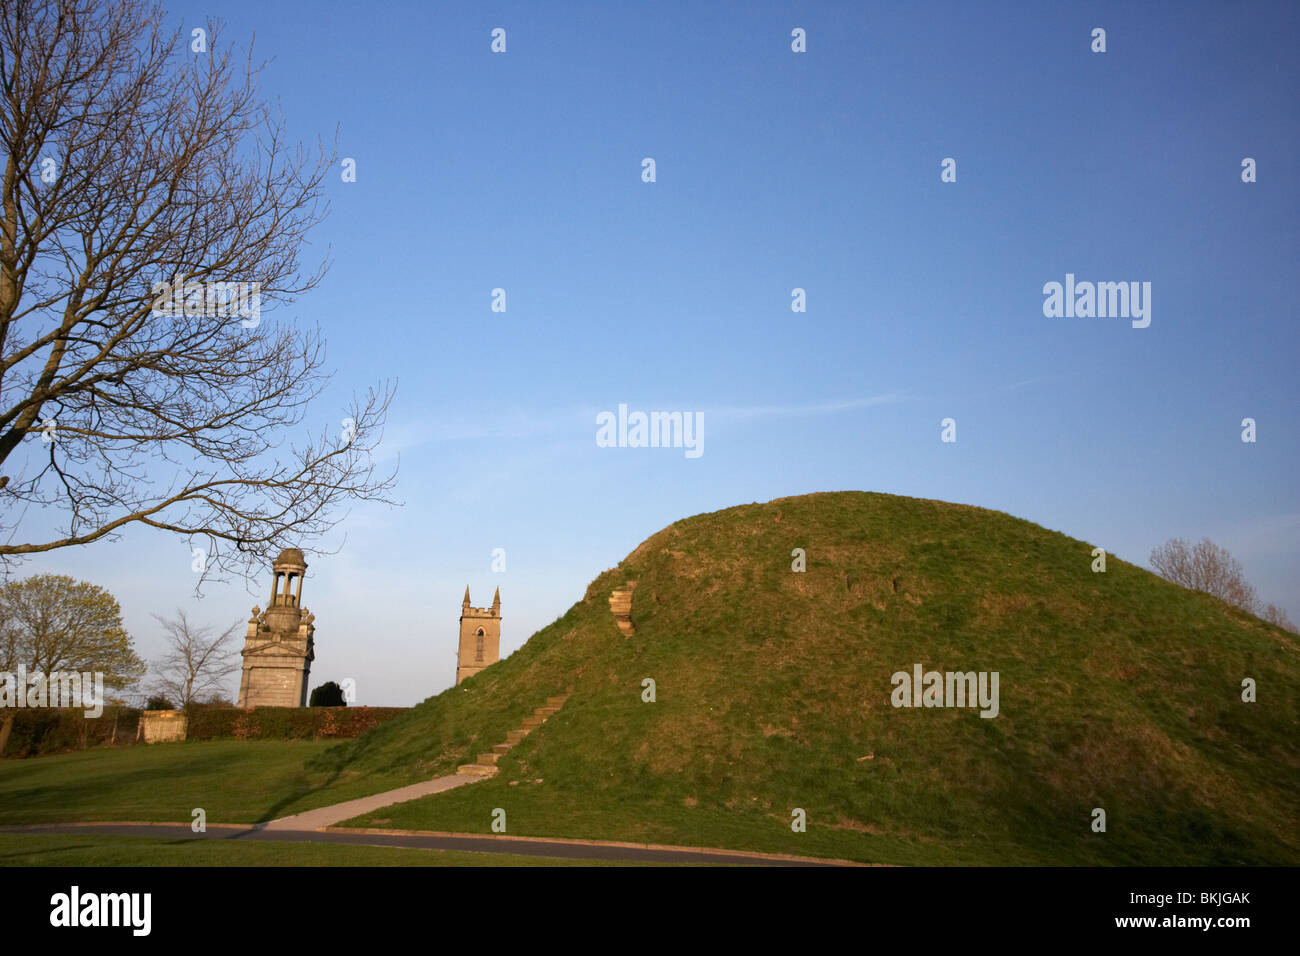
(1118, 690)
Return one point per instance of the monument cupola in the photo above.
(285, 610)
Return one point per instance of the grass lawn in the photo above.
(99, 850)
(234, 781)
(544, 810)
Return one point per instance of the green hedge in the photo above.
(48, 730)
(288, 723)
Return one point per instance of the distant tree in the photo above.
(159, 702)
(1275, 615)
(1206, 567)
(327, 695)
(196, 662)
(51, 622)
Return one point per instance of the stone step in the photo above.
(620, 603)
(486, 766)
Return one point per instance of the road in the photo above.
(568, 849)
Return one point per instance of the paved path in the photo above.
(526, 846)
(311, 826)
(338, 812)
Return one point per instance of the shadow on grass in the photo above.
(74, 792)
(48, 852)
(276, 810)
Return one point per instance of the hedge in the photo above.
(288, 723)
(50, 730)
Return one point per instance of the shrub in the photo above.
(40, 731)
(328, 694)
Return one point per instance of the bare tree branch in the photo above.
(196, 662)
(1206, 567)
(149, 209)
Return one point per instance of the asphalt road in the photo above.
(478, 844)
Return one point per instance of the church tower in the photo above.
(280, 644)
(480, 637)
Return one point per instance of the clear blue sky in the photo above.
(775, 170)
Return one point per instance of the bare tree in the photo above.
(196, 663)
(145, 188)
(1206, 567)
(1275, 615)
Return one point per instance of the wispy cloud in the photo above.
(406, 435)
(1029, 381)
(577, 421)
(749, 412)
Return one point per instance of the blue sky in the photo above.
(775, 170)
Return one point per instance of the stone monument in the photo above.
(280, 644)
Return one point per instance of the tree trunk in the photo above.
(5, 729)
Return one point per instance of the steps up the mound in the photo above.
(485, 765)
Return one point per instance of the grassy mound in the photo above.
(1117, 690)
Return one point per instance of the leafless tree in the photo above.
(1275, 615)
(133, 162)
(196, 663)
(1206, 567)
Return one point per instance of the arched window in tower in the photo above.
(478, 645)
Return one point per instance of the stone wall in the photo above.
(161, 726)
(620, 603)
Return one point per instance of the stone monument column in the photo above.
(280, 644)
